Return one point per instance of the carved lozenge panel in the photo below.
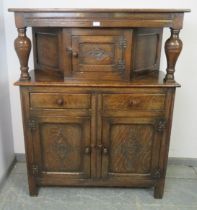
(130, 148)
(98, 54)
(61, 147)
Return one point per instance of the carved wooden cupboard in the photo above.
(96, 109)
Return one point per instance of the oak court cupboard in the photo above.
(97, 110)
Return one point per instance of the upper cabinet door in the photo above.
(62, 146)
(98, 54)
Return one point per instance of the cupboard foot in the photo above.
(159, 189)
(33, 188)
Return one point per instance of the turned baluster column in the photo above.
(173, 47)
(23, 47)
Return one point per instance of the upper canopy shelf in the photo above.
(46, 17)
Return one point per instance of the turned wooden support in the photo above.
(23, 47)
(173, 47)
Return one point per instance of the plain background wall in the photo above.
(6, 140)
(184, 135)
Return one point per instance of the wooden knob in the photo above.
(69, 50)
(105, 151)
(75, 54)
(133, 102)
(60, 101)
(87, 150)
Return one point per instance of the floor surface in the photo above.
(180, 194)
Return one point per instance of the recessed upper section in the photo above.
(98, 44)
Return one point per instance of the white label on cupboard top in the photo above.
(96, 23)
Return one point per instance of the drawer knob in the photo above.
(60, 101)
(105, 151)
(133, 102)
(87, 150)
(75, 54)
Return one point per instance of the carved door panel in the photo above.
(62, 146)
(104, 54)
(131, 147)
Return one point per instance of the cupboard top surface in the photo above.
(42, 78)
(129, 10)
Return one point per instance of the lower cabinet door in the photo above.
(62, 146)
(131, 147)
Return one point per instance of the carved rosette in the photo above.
(23, 47)
(160, 125)
(156, 174)
(173, 47)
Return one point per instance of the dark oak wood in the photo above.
(173, 47)
(62, 145)
(119, 136)
(85, 10)
(130, 147)
(55, 56)
(97, 54)
(59, 100)
(133, 101)
(23, 46)
(97, 110)
(43, 78)
(147, 42)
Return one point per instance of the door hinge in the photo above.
(122, 42)
(35, 169)
(160, 125)
(32, 124)
(156, 174)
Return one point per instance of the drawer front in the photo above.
(59, 100)
(133, 101)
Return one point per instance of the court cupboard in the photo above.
(97, 110)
